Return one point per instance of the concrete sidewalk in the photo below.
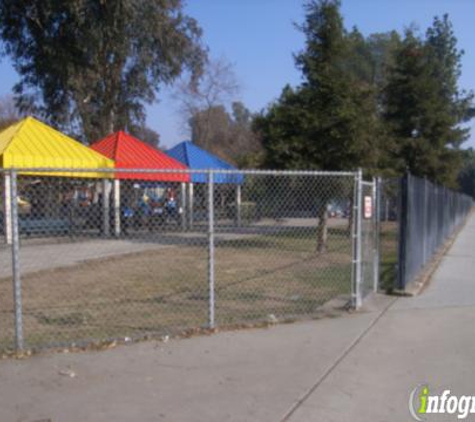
(358, 367)
(428, 339)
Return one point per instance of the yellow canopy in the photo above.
(33, 144)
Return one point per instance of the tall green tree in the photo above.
(328, 121)
(369, 58)
(424, 108)
(445, 60)
(90, 66)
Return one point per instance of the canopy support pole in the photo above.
(117, 207)
(238, 205)
(182, 207)
(105, 208)
(190, 205)
(7, 208)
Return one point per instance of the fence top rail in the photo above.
(179, 171)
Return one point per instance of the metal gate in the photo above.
(366, 237)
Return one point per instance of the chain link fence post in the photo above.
(182, 205)
(424, 222)
(377, 229)
(238, 205)
(357, 235)
(211, 304)
(105, 208)
(359, 240)
(190, 204)
(19, 344)
(354, 266)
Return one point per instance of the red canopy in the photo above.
(131, 153)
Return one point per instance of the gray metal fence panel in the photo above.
(429, 215)
(292, 251)
(388, 230)
(99, 260)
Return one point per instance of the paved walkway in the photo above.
(426, 339)
(37, 257)
(358, 367)
(38, 254)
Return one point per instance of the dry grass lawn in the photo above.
(160, 291)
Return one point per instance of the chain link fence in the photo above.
(429, 214)
(389, 216)
(90, 260)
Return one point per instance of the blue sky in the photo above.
(259, 38)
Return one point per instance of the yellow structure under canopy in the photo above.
(33, 144)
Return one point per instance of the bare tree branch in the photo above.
(218, 86)
(8, 111)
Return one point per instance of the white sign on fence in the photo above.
(368, 207)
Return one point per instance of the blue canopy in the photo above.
(197, 158)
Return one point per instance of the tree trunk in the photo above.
(322, 229)
(111, 121)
